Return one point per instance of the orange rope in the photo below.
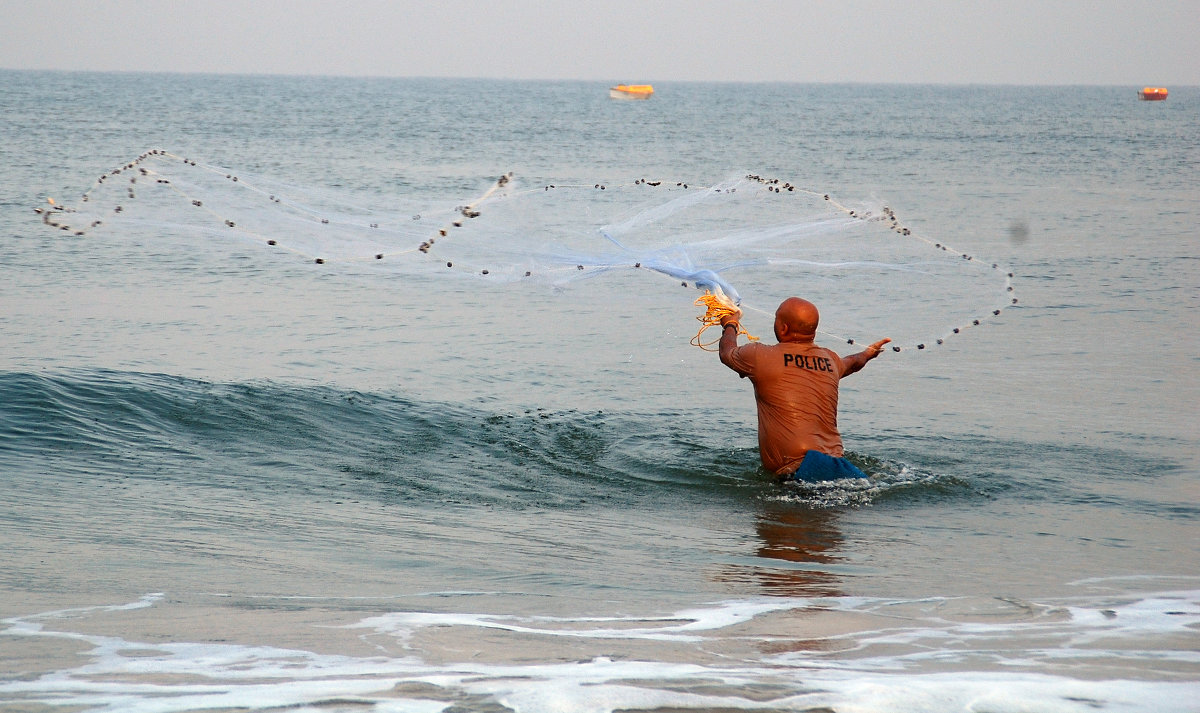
(717, 306)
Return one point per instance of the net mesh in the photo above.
(753, 239)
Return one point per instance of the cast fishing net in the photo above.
(748, 240)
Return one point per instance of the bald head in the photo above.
(796, 320)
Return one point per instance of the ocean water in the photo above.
(234, 479)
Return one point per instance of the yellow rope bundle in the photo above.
(717, 306)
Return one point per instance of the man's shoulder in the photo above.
(828, 351)
(749, 347)
(814, 348)
(743, 358)
(828, 354)
(754, 350)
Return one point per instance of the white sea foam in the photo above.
(1066, 656)
(683, 626)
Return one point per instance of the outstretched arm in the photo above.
(729, 334)
(855, 362)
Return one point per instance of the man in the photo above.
(796, 387)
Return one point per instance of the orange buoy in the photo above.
(1153, 94)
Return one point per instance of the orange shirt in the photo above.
(796, 387)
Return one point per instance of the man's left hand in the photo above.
(876, 349)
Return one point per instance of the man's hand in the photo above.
(734, 316)
(875, 349)
(854, 362)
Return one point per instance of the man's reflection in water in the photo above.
(796, 556)
(805, 541)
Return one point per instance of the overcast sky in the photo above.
(1112, 42)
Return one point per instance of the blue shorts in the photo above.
(818, 467)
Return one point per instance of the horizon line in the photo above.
(607, 82)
